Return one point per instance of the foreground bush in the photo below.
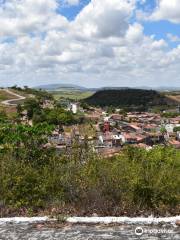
(135, 180)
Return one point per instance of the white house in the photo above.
(73, 107)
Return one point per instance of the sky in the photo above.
(91, 43)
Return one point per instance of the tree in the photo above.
(19, 109)
(176, 129)
(163, 130)
(32, 106)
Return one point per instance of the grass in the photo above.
(84, 129)
(87, 129)
(5, 96)
(74, 95)
(9, 110)
(175, 96)
(22, 93)
(19, 101)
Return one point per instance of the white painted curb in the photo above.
(96, 220)
(19, 220)
(124, 220)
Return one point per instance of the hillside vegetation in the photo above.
(34, 178)
(9, 110)
(127, 98)
(5, 95)
(11, 94)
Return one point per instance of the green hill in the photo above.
(127, 98)
(61, 87)
(5, 95)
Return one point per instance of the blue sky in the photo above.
(160, 29)
(71, 11)
(111, 43)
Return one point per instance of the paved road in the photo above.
(11, 101)
(11, 231)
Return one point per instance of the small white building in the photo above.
(106, 119)
(73, 107)
(170, 127)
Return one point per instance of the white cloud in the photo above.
(134, 33)
(29, 16)
(167, 10)
(72, 2)
(100, 47)
(104, 19)
(173, 38)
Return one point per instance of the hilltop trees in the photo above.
(127, 98)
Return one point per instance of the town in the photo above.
(107, 133)
(113, 131)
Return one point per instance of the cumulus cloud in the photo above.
(29, 16)
(104, 19)
(167, 10)
(100, 47)
(134, 33)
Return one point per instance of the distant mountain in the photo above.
(73, 87)
(127, 98)
(168, 89)
(56, 87)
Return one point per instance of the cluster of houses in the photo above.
(114, 131)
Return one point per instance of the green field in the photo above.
(5, 96)
(74, 95)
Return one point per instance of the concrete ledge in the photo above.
(124, 220)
